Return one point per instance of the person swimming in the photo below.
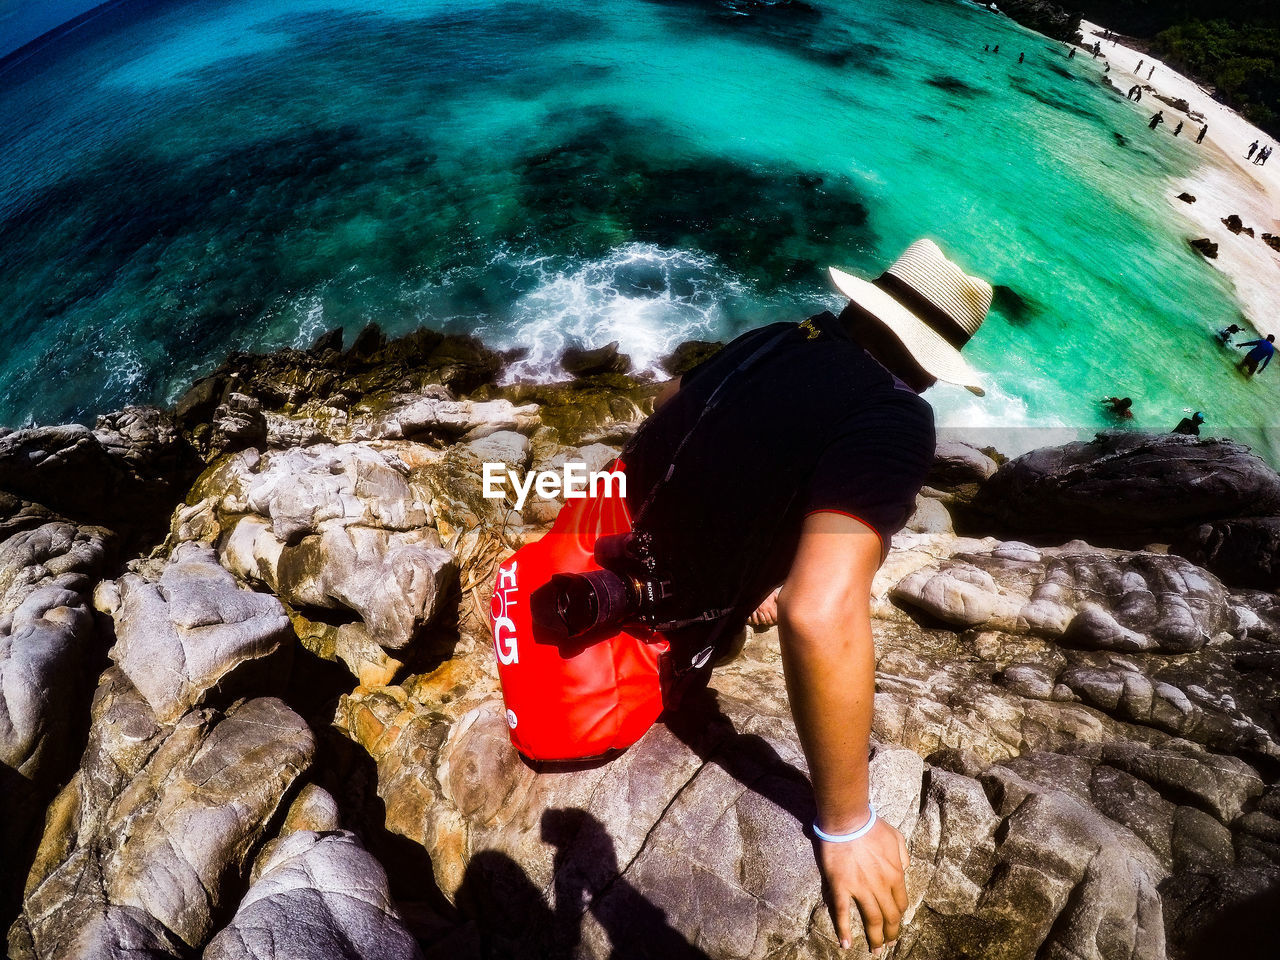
(1225, 334)
(1122, 407)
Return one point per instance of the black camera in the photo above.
(625, 590)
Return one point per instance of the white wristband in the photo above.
(862, 831)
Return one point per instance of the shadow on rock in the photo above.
(1244, 931)
(702, 725)
(636, 927)
(513, 919)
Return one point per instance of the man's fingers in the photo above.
(872, 921)
(841, 918)
(890, 914)
(900, 884)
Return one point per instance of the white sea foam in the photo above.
(647, 298)
(312, 322)
(124, 366)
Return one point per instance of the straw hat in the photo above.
(930, 304)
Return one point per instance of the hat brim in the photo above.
(937, 357)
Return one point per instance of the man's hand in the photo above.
(868, 871)
(766, 614)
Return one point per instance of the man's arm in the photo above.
(824, 614)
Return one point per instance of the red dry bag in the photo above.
(579, 702)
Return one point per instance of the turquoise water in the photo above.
(181, 179)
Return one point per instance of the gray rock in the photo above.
(956, 464)
(694, 836)
(929, 517)
(507, 447)
(1125, 489)
(1200, 843)
(238, 423)
(158, 847)
(126, 474)
(48, 642)
(1219, 785)
(320, 896)
(579, 362)
(191, 632)
(451, 418)
(1087, 597)
(329, 527)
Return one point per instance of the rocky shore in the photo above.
(248, 707)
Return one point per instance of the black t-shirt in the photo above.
(815, 424)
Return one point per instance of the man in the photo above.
(1157, 119)
(1203, 131)
(1261, 353)
(1190, 426)
(792, 456)
(1252, 147)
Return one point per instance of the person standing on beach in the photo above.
(1178, 129)
(1203, 131)
(1252, 147)
(1151, 71)
(1262, 352)
(1157, 119)
(1264, 155)
(1138, 68)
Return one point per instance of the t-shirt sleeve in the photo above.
(875, 465)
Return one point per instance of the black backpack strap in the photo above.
(712, 402)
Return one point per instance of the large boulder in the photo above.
(49, 652)
(956, 464)
(126, 474)
(581, 362)
(153, 839)
(1123, 489)
(328, 528)
(317, 896)
(693, 841)
(193, 631)
(1085, 597)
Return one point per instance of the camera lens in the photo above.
(573, 604)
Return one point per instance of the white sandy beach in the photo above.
(1224, 184)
